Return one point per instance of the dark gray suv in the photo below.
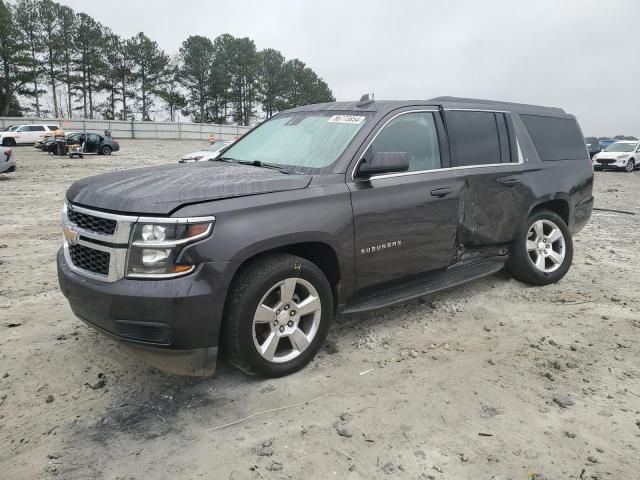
(339, 207)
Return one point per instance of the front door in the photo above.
(405, 223)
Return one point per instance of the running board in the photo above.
(453, 276)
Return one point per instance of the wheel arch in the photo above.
(318, 252)
(557, 205)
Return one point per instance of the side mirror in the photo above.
(383, 162)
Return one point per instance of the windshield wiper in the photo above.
(256, 163)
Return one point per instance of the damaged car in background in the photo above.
(210, 152)
(331, 208)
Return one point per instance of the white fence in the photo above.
(136, 129)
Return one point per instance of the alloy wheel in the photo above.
(286, 320)
(546, 245)
(630, 167)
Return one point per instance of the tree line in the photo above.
(56, 62)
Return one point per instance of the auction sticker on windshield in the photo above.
(357, 119)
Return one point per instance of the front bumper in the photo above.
(173, 324)
(611, 163)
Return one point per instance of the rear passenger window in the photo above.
(52, 127)
(555, 138)
(416, 135)
(37, 128)
(478, 138)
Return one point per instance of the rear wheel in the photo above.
(277, 316)
(543, 251)
(105, 150)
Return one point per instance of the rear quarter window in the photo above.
(555, 138)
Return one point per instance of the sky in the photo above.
(580, 55)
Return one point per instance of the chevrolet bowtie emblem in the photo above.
(70, 235)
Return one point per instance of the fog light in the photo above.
(154, 256)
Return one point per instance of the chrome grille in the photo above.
(103, 226)
(95, 261)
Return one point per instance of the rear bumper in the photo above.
(8, 167)
(174, 324)
(581, 215)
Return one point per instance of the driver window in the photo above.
(414, 134)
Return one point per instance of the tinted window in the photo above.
(37, 128)
(555, 138)
(414, 134)
(52, 127)
(475, 138)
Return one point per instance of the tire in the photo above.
(257, 291)
(105, 150)
(630, 166)
(527, 264)
(9, 142)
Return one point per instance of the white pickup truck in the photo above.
(26, 134)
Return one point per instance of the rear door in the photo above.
(484, 155)
(33, 133)
(405, 223)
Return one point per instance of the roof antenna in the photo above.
(366, 99)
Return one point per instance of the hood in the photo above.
(612, 154)
(161, 190)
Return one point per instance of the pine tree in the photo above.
(13, 63)
(149, 63)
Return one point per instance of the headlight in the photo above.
(156, 245)
(624, 155)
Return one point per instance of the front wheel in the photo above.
(630, 166)
(543, 250)
(8, 142)
(106, 150)
(277, 316)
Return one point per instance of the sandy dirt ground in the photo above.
(492, 380)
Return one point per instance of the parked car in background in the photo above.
(335, 207)
(49, 144)
(622, 155)
(25, 134)
(605, 142)
(593, 146)
(80, 144)
(7, 163)
(210, 152)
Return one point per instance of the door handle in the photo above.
(510, 181)
(441, 192)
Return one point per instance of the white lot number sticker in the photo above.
(356, 119)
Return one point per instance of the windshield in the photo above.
(307, 140)
(621, 147)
